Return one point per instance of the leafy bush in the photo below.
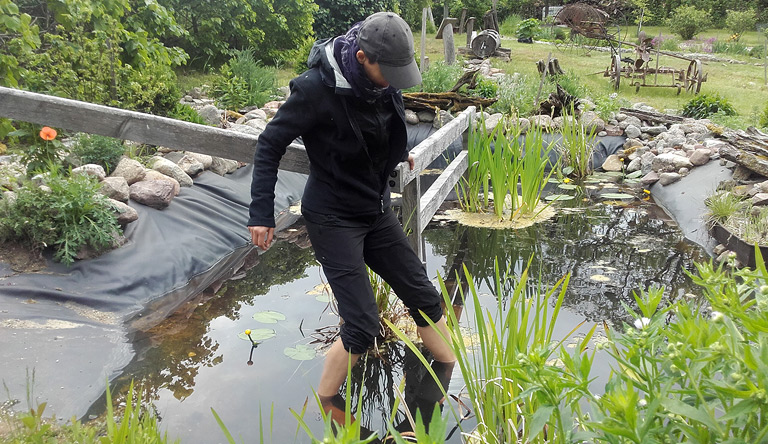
(704, 105)
(187, 114)
(666, 43)
(72, 215)
(487, 88)
(509, 25)
(440, 77)
(101, 150)
(528, 29)
(244, 82)
(19, 37)
(739, 22)
(516, 95)
(301, 55)
(764, 117)
(334, 17)
(687, 21)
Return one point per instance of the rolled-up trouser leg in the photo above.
(389, 254)
(340, 251)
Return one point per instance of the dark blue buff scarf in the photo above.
(345, 49)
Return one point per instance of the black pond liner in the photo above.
(745, 251)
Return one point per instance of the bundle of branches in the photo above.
(559, 103)
(449, 101)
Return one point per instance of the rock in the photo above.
(650, 178)
(760, 199)
(524, 125)
(441, 118)
(684, 171)
(741, 173)
(492, 121)
(170, 169)
(152, 193)
(646, 162)
(613, 163)
(653, 130)
(718, 250)
(9, 198)
(257, 124)
(668, 162)
(669, 178)
(630, 144)
(613, 130)
(210, 114)
(223, 166)
(125, 213)
(115, 188)
(245, 129)
(426, 116)
(129, 169)
(699, 157)
(592, 122)
(190, 165)
(694, 128)
(542, 121)
(632, 132)
(157, 175)
(195, 93)
(602, 134)
(557, 123)
(205, 159)
(270, 108)
(725, 256)
(257, 113)
(91, 169)
(634, 165)
(411, 117)
(284, 92)
(629, 120)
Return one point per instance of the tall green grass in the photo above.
(576, 148)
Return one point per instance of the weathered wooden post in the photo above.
(449, 47)
(470, 30)
(423, 65)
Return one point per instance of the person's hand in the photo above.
(410, 161)
(262, 236)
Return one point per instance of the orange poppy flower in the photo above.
(48, 133)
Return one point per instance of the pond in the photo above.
(195, 361)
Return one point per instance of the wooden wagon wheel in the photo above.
(616, 71)
(694, 77)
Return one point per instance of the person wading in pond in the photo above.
(348, 110)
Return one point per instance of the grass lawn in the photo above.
(742, 84)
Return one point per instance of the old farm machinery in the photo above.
(643, 68)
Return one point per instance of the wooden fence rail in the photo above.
(139, 127)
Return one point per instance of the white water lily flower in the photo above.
(642, 323)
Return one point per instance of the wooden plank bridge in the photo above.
(73, 115)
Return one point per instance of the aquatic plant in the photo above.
(576, 148)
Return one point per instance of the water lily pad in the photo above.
(320, 288)
(554, 197)
(323, 297)
(567, 186)
(617, 196)
(258, 334)
(600, 278)
(300, 353)
(269, 316)
(567, 170)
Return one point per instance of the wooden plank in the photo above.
(436, 194)
(411, 216)
(139, 127)
(430, 148)
(448, 21)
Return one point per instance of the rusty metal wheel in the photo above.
(616, 71)
(694, 77)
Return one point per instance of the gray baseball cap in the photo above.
(388, 39)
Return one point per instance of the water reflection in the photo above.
(194, 360)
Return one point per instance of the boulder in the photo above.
(613, 163)
(170, 169)
(115, 188)
(190, 165)
(632, 132)
(592, 122)
(125, 213)
(668, 162)
(542, 121)
(669, 178)
(223, 166)
(426, 116)
(524, 125)
(91, 169)
(650, 178)
(653, 130)
(411, 117)
(152, 193)
(210, 114)
(441, 119)
(157, 175)
(699, 157)
(130, 169)
(205, 159)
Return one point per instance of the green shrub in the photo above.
(487, 88)
(509, 25)
(244, 82)
(101, 150)
(528, 29)
(757, 51)
(705, 105)
(732, 47)
(516, 95)
(72, 215)
(301, 55)
(739, 22)
(440, 77)
(687, 21)
(764, 117)
(670, 44)
(187, 114)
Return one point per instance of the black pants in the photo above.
(344, 246)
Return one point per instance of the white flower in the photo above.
(716, 316)
(642, 323)
(613, 95)
(642, 402)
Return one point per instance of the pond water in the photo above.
(195, 361)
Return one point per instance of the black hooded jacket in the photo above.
(343, 180)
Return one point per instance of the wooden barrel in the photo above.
(486, 43)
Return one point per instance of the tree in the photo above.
(334, 17)
(740, 21)
(687, 21)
